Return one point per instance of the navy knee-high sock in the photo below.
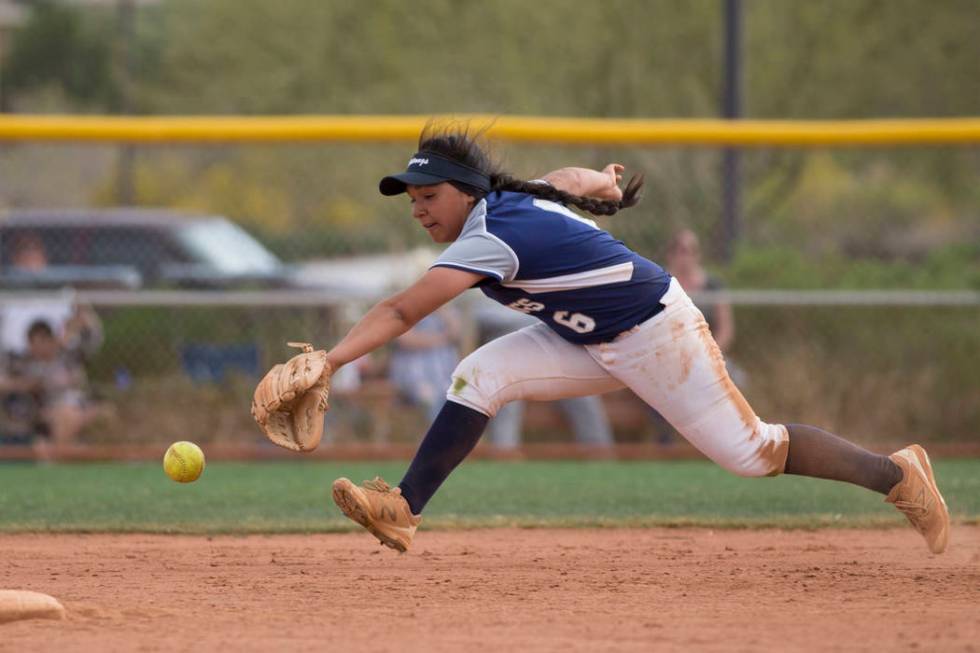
(450, 439)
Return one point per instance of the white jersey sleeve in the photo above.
(477, 250)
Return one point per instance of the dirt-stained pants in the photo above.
(670, 361)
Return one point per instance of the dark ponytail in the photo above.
(455, 142)
(631, 194)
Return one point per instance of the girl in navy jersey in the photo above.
(609, 319)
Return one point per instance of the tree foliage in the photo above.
(833, 59)
(617, 58)
(59, 48)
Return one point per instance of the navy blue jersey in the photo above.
(542, 259)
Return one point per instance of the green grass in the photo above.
(293, 497)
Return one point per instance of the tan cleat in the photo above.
(918, 497)
(378, 508)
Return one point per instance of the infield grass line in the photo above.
(294, 497)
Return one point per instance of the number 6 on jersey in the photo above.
(577, 322)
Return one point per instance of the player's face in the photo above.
(441, 210)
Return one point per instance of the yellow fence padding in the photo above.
(595, 131)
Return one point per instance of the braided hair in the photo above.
(456, 143)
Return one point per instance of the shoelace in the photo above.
(378, 485)
(916, 513)
(390, 505)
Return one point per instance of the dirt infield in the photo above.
(527, 590)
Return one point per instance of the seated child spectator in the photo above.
(18, 405)
(54, 368)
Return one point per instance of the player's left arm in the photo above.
(392, 317)
(584, 182)
(290, 400)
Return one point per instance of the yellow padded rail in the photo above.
(593, 131)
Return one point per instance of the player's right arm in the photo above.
(584, 182)
(392, 317)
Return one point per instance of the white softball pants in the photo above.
(670, 361)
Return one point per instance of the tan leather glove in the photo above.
(291, 399)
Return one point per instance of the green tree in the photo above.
(61, 48)
(616, 58)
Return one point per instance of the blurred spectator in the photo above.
(78, 328)
(54, 369)
(45, 341)
(28, 253)
(358, 402)
(29, 257)
(586, 415)
(423, 359)
(82, 332)
(18, 405)
(683, 261)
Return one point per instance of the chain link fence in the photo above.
(236, 249)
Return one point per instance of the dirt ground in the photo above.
(490, 590)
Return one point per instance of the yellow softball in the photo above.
(183, 462)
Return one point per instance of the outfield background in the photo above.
(854, 266)
(851, 313)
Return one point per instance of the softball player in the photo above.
(608, 319)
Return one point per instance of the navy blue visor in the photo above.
(428, 169)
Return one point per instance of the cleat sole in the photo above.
(918, 462)
(943, 542)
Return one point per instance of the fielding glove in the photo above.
(291, 399)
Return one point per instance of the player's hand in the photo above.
(612, 177)
(597, 184)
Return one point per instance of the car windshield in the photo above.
(228, 248)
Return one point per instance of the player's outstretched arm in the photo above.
(392, 317)
(600, 184)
